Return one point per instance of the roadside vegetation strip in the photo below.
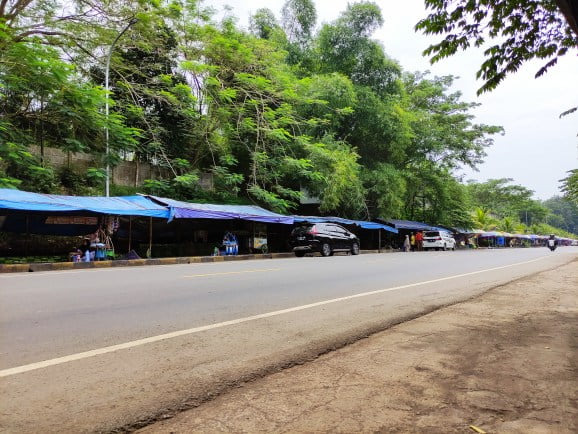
(152, 339)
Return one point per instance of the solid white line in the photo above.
(152, 339)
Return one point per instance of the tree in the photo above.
(484, 220)
(507, 201)
(269, 113)
(570, 186)
(152, 95)
(298, 18)
(564, 213)
(443, 125)
(345, 46)
(523, 30)
(45, 102)
(263, 23)
(507, 224)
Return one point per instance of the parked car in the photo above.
(325, 238)
(438, 240)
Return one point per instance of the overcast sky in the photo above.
(538, 147)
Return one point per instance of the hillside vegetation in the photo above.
(287, 107)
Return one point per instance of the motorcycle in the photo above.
(552, 245)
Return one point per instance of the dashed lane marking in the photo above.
(224, 273)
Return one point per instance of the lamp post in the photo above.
(106, 108)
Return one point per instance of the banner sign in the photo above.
(71, 220)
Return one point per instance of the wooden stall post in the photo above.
(129, 233)
(27, 244)
(149, 251)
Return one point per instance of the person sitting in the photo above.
(86, 250)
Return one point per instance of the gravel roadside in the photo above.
(504, 362)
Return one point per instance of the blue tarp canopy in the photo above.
(23, 201)
(415, 226)
(187, 210)
(361, 223)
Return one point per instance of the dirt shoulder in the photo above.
(504, 362)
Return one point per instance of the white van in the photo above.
(438, 240)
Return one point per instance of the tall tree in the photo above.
(345, 46)
(521, 30)
(564, 213)
(46, 102)
(298, 18)
(263, 23)
(570, 186)
(506, 200)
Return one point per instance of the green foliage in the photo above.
(327, 102)
(570, 186)
(533, 29)
(338, 183)
(507, 225)
(8, 182)
(484, 220)
(386, 189)
(267, 114)
(443, 125)
(298, 18)
(506, 200)
(24, 170)
(345, 46)
(563, 213)
(263, 23)
(121, 190)
(510, 208)
(546, 229)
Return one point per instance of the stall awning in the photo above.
(188, 210)
(413, 226)
(23, 201)
(361, 223)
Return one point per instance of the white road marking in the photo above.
(152, 339)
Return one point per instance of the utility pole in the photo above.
(106, 105)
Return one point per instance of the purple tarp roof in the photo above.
(188, 210)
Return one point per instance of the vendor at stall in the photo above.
(86, 250)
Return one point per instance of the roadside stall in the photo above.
(67, 217)
(241, 228)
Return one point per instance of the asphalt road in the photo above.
(91, 350)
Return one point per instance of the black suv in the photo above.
(325, 238)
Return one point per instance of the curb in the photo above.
(60, 266)
(14, 268)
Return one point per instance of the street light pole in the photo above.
(106, 108)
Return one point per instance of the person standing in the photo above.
(419, 241)
(412, 242)
(406, 244)
(552, 242)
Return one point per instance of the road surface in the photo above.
(98, 350)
